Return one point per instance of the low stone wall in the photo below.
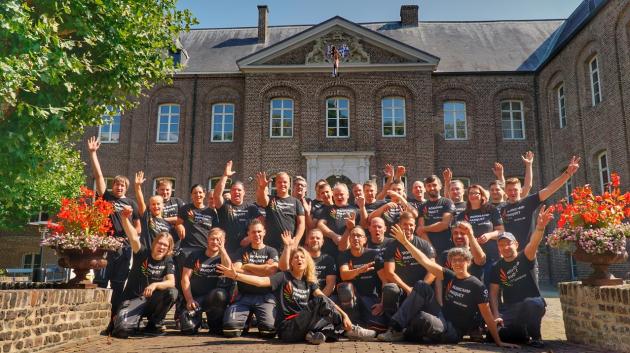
(31, 320)
(597, 316)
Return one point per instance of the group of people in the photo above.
(384, 266)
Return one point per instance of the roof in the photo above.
(471, 46)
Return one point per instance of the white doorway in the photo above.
(322, 165)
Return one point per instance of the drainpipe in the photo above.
(192, 133)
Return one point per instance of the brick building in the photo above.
(428, 95)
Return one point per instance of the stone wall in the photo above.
(32, 320)
(597, 316)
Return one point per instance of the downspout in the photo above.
(192, 133)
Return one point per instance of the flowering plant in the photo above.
(595, 223)
(83, 222)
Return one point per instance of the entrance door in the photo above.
(340, 166)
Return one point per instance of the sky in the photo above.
(243, 13)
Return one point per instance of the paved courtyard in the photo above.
(553, 332)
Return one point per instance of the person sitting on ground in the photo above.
(203, 290)
(305, 313)
(420, 318)
(513, 276)
(150, 290)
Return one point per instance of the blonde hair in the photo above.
(121, 179)
(309, 272)
(169, 238)
(512, 181)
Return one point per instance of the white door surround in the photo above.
(321, 165)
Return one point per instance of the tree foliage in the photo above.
(62, 63)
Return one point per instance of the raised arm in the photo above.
(347, 274)
(557, 183)
(217, 195)
(479, 257)
(93, 145)
(430, 265)
(130, 230)
(544, 216)
(528, 160)
(447, 174)
(230, 272)
(389, 179)
(139, 180)
(262, 198)
(344, 241)
(497, 170)
(363, 214)
(285, 258)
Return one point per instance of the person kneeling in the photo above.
(305, 312)
(150, 291)
(420, 317)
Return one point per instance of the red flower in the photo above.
(614, 177)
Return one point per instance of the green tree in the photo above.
(62, 63)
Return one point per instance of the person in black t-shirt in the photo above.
(234, 214)
(513, 276)
(304, 312)
(390, 211)
(152, 221)
(318, 207)
(377, 239)
(197, 219)
(358, 294)
(150, 291)
(202, 288)
(454, 190)
(333, 223)
(401, 271)
(420, 316)
(418, 199)
(435, 216)
(370, 190)
(497, 170)
(171, 204)
(115, 274)
(256, 259)
(282, 211)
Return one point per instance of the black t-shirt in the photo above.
(292, 295)
(417, 204)
(249, 255)
(145, 270)
(324, 266)
(280, 215)
(459, 207)
(516, 279)
(484, 220)
(407, 268)
(152, 226)
(198, 226)
(473, 269)
(234, 221)
(517, 218)
(371, 207)
(366, 283)
(499, 205)
(335, 218)
(461, 300)
(392, 215)
(317, 210)
(171, 207)
(204, 276)
(432, 212)
(115, 217)
(380, 248)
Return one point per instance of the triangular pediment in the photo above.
(361, 49)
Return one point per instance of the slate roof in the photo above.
(481, 46)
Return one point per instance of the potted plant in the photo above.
(82, 235)
(595, 229)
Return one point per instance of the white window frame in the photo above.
(109, 183)
(512, 120)
(392, 121)
(222, 115)
(155, 185)
(171, 126)
(214, 180)
(282, 118)
(562, 108)
(453, 116)
(33, 262)
(337, 119)
(603, 182)
(568, 187)
(109, 120)
(596, 81)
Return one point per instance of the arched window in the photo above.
(596, 92)
(393, 116)
(604, 171)
(168, 123)
(562, 110)
(222, 122)
(281, 117)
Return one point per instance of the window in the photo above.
(38, 218)
(168, 123)
(109, 131)
(222, 122)
(31, 260)
(337, 117)
(176, 56)
(155, 185)
(512, 121)
(109, 183)
(393, 116)
(568, 188)
(562, 111)
(281, 115)
(604, 171)
(455, 121)
(213, 181)
(596, 93)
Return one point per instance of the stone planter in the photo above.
(81, 261)
(600, 262)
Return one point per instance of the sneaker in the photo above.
(361, 334)
(391, 336)
(152, 330)
(537, 343)
(315, 338)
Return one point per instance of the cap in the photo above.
(506, 235)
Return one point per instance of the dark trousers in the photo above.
(320, 316)
(358, 306)
(115, 274)
(214, 304)
(153, 308)
(522, 320)
(262, 305)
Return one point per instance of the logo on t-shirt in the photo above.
(449, 286)
(333, 213)
(287, 293)
(197, 268)
(144, 268)
(503, 277)
(399, 258)
(245, 258)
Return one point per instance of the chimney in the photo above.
(409, 15)
(263, 11)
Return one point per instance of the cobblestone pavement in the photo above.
(553, 332)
